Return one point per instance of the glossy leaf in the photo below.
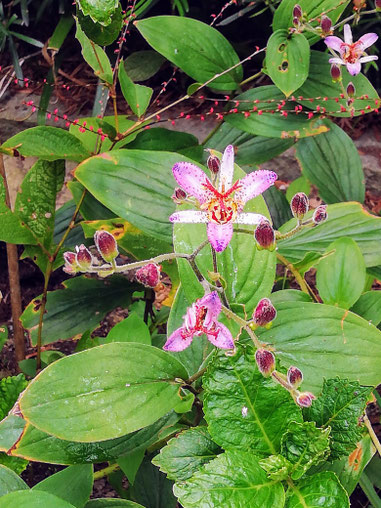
(322, 490)
(137, 96)
(10, 389)
(185, 454)
(233, 479)
(10, 481)
(90, 208)
(344, 219)
(47, 143)
(332, 163)
(33, 499)
(236, 404)
(131, 329)
(198, 49)
(368, 306)
(321, 339)
(142, 65)
(287, 60)
(341, 274)
(100, 11)
(130, 464)
(131, 385)
(11, 428)
(94, 298)
(98, 33)
(340, 406)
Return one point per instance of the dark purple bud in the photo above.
(106, 245)
(294, 377)
(213, 164)
(320, 214)
(297, 12)
(148, 275)
(335, 72)
(326, 25)
(84, 258)
(351, 90)
(304, 399)
(378, 4)
(70, 258)
(265, 361)
(264, 312)
(299, 205)
(265, 235)
(296, 22)
(179, 195)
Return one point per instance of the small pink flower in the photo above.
(351, 53)
(201, 318)
(219, 209)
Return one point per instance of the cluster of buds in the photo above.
(297, 16)
(264, 235)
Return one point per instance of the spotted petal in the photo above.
(348, 34)
(354, 68)
(189, 216)
(333, 42)
(212, 303)
(254, 184)
(227, 168)
(368, 39)
(192, 180)
(224, 339)
(249, 218)
(219, 235)
(369, 58)
(176, 342)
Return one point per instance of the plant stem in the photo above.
(198, 374)
(251, 78)
(299, 279)
(372, 434)
(106, 471)
(368, 489)
(231, 315)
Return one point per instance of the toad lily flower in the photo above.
(219, 209)
(201, 318)
(352, 54)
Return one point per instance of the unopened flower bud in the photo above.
(378, 4)
(294, 377)
(179, 195)
(304, 399)
(265, 236)
(320, 214)
(265, 361)
(264, 312)
(351, 90)
(299, 205)
(84, 258)
(296, 22)
(335, 73)
(148, 275)
(71, 266)
(213, 164)
(106, 245)
(297, 12)
(326, 25)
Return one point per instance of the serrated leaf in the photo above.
(186, 453)
(340, 406)
(137, 96)
(100, 11)
(322, 490)
(99, 33)
(10, 481)
(234, 479)
(10, 389)
(368, 306)
(237, 401)
(277, 467)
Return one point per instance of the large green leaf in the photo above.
(266, 120)
(137, 96)
(341, 275)
(332, 163)
(287, 60)
(344, 219)
(114, 389)
(322, 490)
(321, 340)
(234, 479)
(368, 306)
(100, 11)
(93, 298)
(339, 407)
(186, 453)
(198, 49)
(135, 184)
(10, 481)
(237, 401)
(33, 499)
(47, 143)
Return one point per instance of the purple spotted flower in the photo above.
(201, 318)
(220, 206)
(351, 53)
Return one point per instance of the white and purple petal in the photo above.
(219, 235)
(333, 42)
(227, 169)
(354, 68)
(213, 305)
(368, 39)
(224, 338)
(249, 218)
(192, 179)
(369, 58)
(254, 184)
(189, 217)
(337, 61)
(348, 34)
(177, 342)
(190, 317)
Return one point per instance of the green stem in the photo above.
(106, 471)
(372, 434)
(371, 494)
(244, 324)
(299, 279)
(251, 78)
(352, 16)
(198, 374)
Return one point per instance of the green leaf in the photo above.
(185, 454)
(73, 484)
(14, 463)
(344, 219)
(304, 445)
(3, 335)
(277, 467)
(47, 143)
(94, 56)
(131, 385)
(10, 389)
(237, 401)
(142, 65)
(289, 295)
(340, 276)
(301, 184)
(108, 502)
(340, 406)
(10, 481)
(11, 428)
(322, 490)
(268, 124)
(101, 34)
(234, 479)
(130, 463)
(287, 60)
(319, 84)
(198, 49)
(94, 298)
(100, 11)
(332, 163)
(321, 339)
(137, 96)
(91, 208)
(373, 468)
(368, 306)
(131, 329)
(33, 499)
(12, 228)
